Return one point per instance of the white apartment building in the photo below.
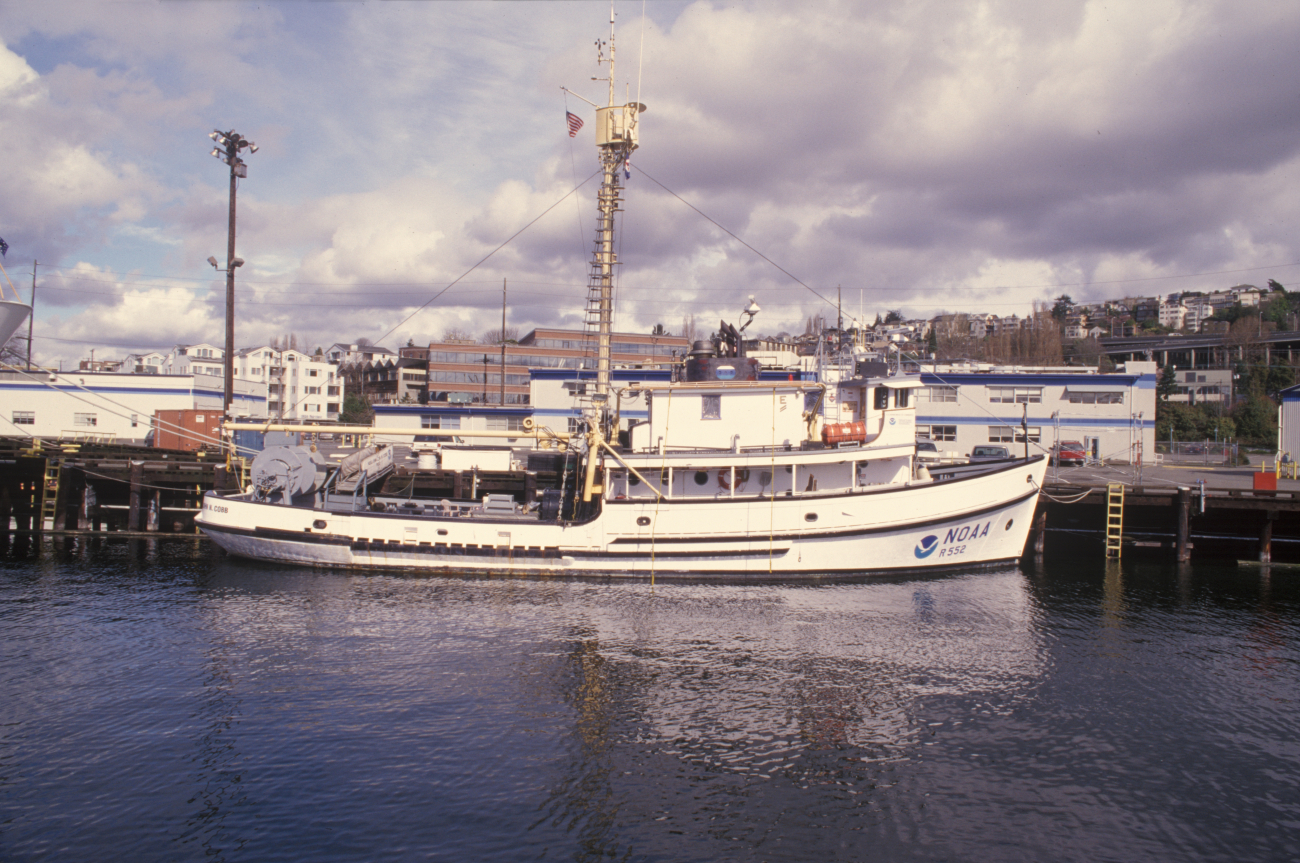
(1172, 315)
(1198, 312)
(195, 360)
(299, 387)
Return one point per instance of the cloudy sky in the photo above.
(925, 156)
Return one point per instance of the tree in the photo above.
(688, 330)
(1256, 420)
(1275, 285)
(356, 410)
(510, 335)
(456, 334)
(893, 316)
(363, 342)
(1167, 385)
(1062, 307)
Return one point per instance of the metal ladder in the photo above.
(50, 490)
(1114, 518)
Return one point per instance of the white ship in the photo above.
(731, 476)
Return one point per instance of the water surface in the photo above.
(164, 702)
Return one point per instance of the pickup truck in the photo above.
(989, 453)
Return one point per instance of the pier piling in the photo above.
(1183, 531)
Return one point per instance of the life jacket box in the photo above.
(1264, 481)
(837, 433)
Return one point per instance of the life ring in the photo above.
(724, 477)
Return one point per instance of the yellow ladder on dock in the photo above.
(50, 490)
(1114, 518)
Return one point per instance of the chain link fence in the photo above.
(1206, 453)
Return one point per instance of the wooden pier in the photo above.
(1210, 522)
(65, 486)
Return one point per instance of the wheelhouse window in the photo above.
(24, 418)
(711, 407)
(881, 397)
(901, 397)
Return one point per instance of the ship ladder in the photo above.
(50, 490)
(1114, 518)
(245, 472)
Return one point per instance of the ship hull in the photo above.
(960, 523)
(12, 315)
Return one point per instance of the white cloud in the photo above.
(925, 154)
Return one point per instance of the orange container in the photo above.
(1265, 481)
(187, 429)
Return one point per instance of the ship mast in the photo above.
(616, 138)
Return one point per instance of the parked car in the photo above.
(927, 452)
(1069, 452)
(989, 453)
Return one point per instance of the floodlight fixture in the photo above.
(750, 311)
(212, 259)
(237, 262)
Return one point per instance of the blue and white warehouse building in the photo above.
(1112, 415)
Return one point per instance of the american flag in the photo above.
(575, 123)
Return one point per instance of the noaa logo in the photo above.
(926, 546)
(892, 420)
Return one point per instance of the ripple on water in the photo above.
(176, 704)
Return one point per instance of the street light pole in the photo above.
(227, 150)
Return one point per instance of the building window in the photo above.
(938, 394)
(505, 423)
(24, 418)
(711, 407)
(1014, 434)
(1084, 397)
(85, 420)
(439, 421)
(575, 425)
(937, 432)
(1015, 395)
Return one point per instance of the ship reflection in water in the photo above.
(163, 699)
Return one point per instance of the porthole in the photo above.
(643, 520)
(701, 477)
(812, 516)
(663, 476)
(632, 480)
(442, 531)
(319, 524)
(1010, 522)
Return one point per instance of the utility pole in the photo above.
(31, 317)
(503, 342)
(227, 150)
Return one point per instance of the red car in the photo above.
(1069, 452)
